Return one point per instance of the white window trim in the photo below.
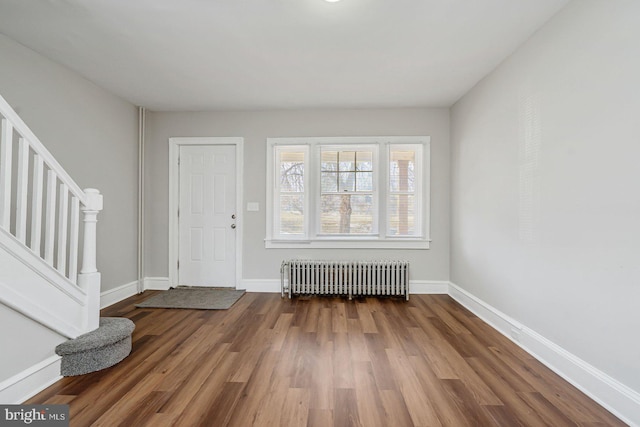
(380, 239)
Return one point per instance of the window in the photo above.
(348, 202)
(403, 208)
(291, 204)
(348, 192)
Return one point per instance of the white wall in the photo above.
(93, 135)
(545, 197)
(255, 127)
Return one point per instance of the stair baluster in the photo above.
(47, 226)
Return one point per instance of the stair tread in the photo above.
(110, 331)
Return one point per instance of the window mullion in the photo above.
(310, 190)
(383, 185)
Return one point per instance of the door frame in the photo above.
(174, 198)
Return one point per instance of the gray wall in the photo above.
(255, 127)
(93, 135)
(544, 190)
(24, 344)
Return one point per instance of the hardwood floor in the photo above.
(322, 361)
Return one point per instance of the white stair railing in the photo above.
(40, 207)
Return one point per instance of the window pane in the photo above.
(329, 161)
(401, 212)
(362, 214)
(291, 172)
(346, 214)
(347, 161)
(292, 156)
(292, 214)
(364, 181)
(347, 181)
(329, 182)
(364, 161)
(402, 171)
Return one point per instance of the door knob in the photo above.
(233, 226)
(233, 216)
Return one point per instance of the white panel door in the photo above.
(207, 252)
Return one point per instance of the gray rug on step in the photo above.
(194, 298)
(98, 349)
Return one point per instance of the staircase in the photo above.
(47, 226)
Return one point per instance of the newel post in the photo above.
(89, 277)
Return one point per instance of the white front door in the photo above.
(206, 219)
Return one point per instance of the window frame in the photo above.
(419, 182)
(317, 172)
(275, 176)
(381, 183)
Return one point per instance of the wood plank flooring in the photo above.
(322, 361)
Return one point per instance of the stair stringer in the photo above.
(29, 285)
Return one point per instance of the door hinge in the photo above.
(178, 265)
(178, 160)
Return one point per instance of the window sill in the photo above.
(348, 244)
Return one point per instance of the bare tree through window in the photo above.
(347, 192)
(291, 192)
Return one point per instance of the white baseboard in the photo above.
(428, 287)
(260, 285)
(616, 397)
(496, 319)
(156, 283)
(112, 296)
(120, 293)
(30, 382)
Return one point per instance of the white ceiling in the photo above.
(261, 54)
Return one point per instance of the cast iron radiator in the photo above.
(349, 278)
